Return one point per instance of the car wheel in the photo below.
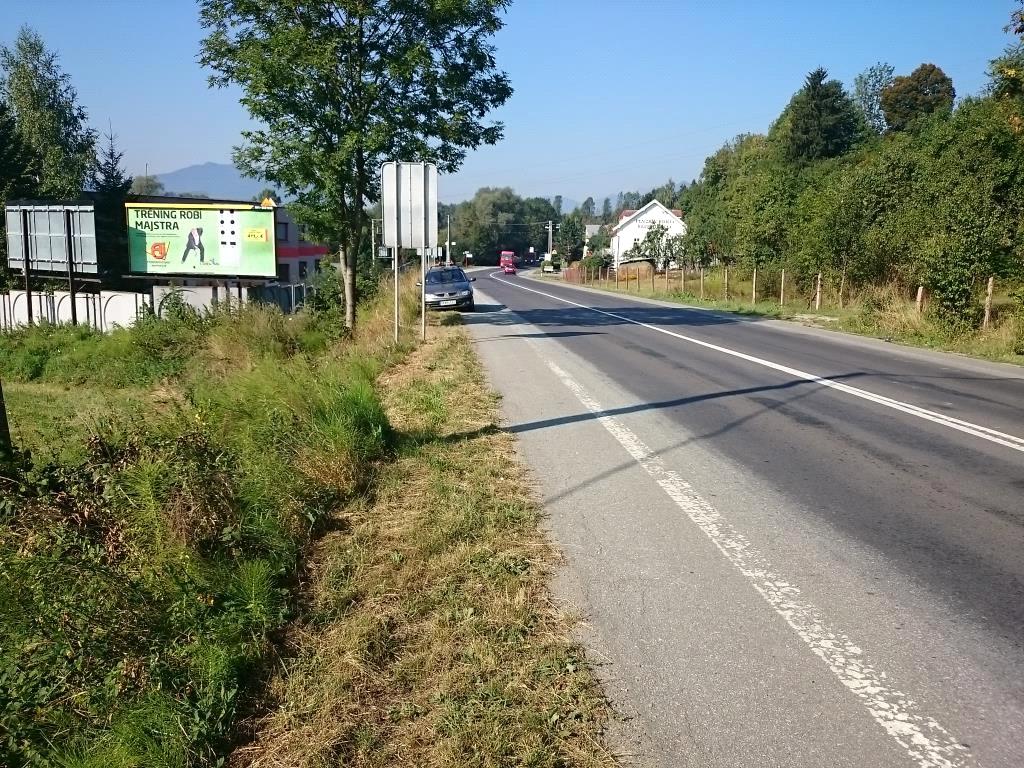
(472, 306)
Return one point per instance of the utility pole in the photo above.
(448, 242)
(551, 228)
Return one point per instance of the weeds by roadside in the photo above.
(149, 560)
(428, 636)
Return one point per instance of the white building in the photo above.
(633, 226)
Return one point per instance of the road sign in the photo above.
(409, 200)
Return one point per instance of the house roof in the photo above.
(628, 215)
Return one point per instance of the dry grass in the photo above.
(429, 637)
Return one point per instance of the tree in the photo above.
(363, 83)
(265, 193)
(557, 203)
(867, 94)
(820, 121)
(606, 211)
(926, 91)
(110, 185)
(570, 239)
(17, 161)
(587, 210)
(17, 171)
(675, 249)
(147, 185)
(49, 118)
(653, 244)
(600, 241)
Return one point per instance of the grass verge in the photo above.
(170, 479)
(428, 636)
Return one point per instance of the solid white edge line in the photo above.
(985, 433)
(923, 738)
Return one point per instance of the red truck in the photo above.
(507, 258)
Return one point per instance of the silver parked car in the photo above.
(449, 288)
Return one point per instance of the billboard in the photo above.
(56, 232)
(212, 239)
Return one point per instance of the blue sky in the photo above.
(608, 95)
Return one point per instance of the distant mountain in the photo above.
(218, 180)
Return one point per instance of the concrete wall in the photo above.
(103, 311)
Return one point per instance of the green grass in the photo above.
(429, 635)
(54, 421)
(153, 527)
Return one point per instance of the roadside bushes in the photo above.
(143, 586)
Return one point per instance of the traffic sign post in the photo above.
(409, 202)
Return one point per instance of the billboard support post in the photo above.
(423, 295)
(394, 255)
(70, 249)
(27, 241)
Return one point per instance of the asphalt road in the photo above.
(791, 547)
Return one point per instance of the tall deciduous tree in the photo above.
(867, 94)
(340, 87)
(17, 170)
(49, 117)
(925, 91)
(570, 239)
(653, 244)
(587, 209)
(557, 203)
(822, 120)
(17, 161)
(147, 185)
(266, 193)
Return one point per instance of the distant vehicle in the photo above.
(509, 269)
(449, 288)
(507, 257)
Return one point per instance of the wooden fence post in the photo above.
(652, 279)
(920, 298)
(702, 283)
(726, 284)
(666, 277)
(988, 302)
(782, 290)
(817, 294)
(753, 289)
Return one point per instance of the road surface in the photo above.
(791, 547)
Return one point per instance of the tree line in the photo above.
(895, 182)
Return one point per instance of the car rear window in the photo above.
(446, 276)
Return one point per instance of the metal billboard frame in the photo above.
(59, 236)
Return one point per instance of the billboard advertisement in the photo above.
(209, 239)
